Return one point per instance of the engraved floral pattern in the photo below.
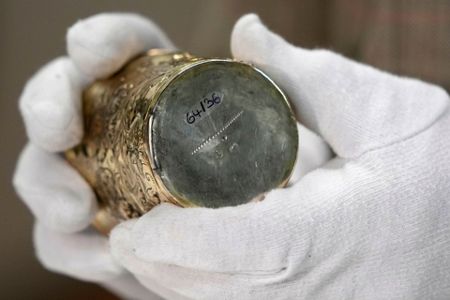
(114, 154)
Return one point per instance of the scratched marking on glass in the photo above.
(209, 139)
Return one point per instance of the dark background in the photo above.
(405, 37)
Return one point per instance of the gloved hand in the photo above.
(59, 198)
(372, 223)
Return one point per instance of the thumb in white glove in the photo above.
(373, 223)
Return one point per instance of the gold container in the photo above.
(171, 127)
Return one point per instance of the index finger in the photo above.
(103, 43)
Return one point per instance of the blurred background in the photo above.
(407, 37)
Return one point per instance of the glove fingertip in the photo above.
(252, 41)
(84, 255)
(91, 58)
(243, 36)
(103, 43)
(50, 106)
(59, 197)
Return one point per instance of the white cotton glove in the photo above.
(373, 223)
(59, 198)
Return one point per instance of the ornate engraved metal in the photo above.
(129, 161)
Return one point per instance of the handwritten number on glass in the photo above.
(204, 105)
